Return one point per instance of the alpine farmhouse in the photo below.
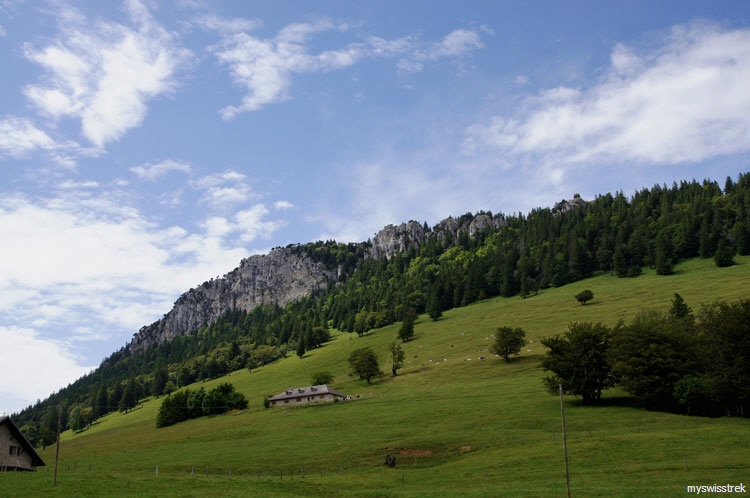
(15, 451)
(293, 397)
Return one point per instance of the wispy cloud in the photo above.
(19, 136)
(454, 45)
(264, 68)
(152, 172)
(682, 101)
(224, 190)
(104, 73)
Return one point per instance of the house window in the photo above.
(299, 399)
(286, 401)
(15, 450)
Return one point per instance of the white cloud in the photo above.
(264, 68)
(280, 205)
(681, 102)
(223, 190)
(152, 172)
(456, 43)
(251, 223)
(19, 136)
(83, 259)
(51, 360)
(224, 25)
(104, 73)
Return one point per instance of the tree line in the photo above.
(548, 247)
(186, 404)
(698, 364)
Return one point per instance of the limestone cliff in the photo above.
(279, 277)
(396, 239)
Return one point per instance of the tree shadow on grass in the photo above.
(610, 402)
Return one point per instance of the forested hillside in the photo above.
(523, 255)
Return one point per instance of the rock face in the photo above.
(397, 239)
(279, 277)
(393, 239)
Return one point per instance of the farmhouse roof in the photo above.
(306, 391)
(36, 460)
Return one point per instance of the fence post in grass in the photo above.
(157, 471)
(230, 472)
(684, 459)
(565, 442)
(57, 446)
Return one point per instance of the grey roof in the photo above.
(36, 460)
(301, 392)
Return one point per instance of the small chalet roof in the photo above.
(36, 460)
(301, 392)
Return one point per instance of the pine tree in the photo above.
(129, 398)
(406, 331)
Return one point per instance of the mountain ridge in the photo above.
(285, 275)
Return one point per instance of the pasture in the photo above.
(457, 425)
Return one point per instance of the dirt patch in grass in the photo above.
(414, 452)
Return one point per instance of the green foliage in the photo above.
(300, 351)
(668, 361)
(321, 378)
(724, 338)
(364, 363)
(579, 361)
(650, 356)
(584, 296)
(406, 332)
(159, 382)
(397, 357)
(680, 309)
(186, 404)
(724, 255)
(508, 341)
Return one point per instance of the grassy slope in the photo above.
(457, 425)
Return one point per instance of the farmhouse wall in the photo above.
(12, 452)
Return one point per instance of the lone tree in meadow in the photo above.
(321, 378)
(397, 357)
(364, 363)
(584, 295)
(508, 341)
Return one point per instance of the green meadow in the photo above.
(458, 425)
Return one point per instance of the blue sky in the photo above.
(146, 147)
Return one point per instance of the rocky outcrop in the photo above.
(397, 239)
(279, 277)
(393, 239)
(564, 207)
